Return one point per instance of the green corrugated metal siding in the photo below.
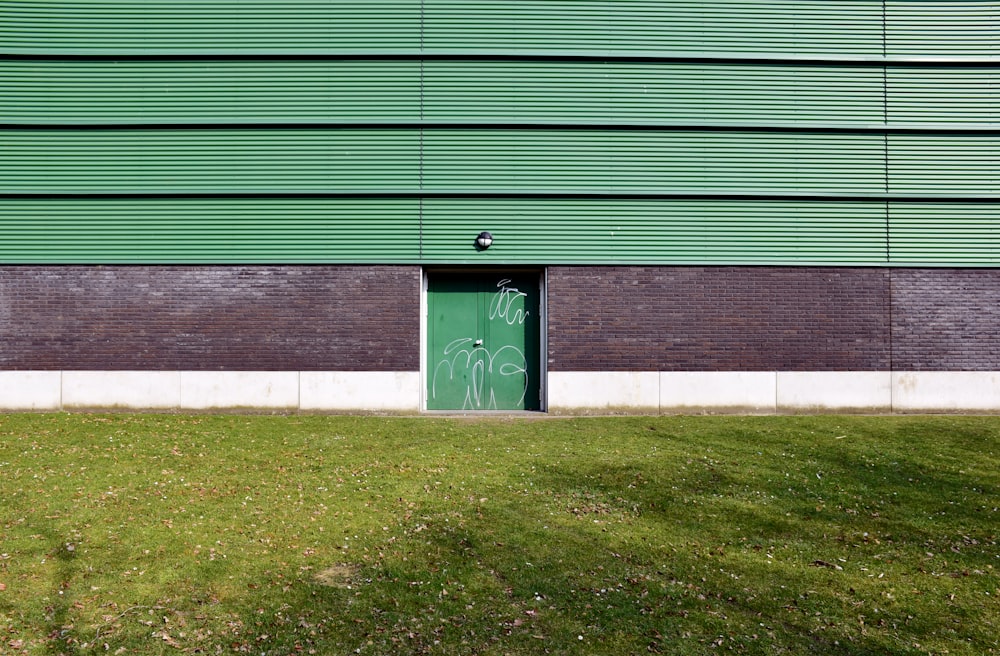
(794, 26)
(239, 92)
(687, 162)
(931, 28)
(664, 93)
(944, 164)
(224, 92)
(484, 161)
(944, 95)
(656, 231)
(945, 234)
(207, 230)
(731, 26)
(218, 161)
(207, 26)
(654, 131)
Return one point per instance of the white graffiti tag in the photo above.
(508, 304)
(468, 356)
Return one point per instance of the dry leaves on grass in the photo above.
(341, 575)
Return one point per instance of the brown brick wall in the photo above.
(718, 318)
(358, 318)
(946, 319)
(340, 318)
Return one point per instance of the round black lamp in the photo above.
(484, 240)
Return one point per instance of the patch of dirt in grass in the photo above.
(340, 575)
(582, 504)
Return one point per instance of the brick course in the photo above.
(308, 318)
(366, 318)
(946, 319)
(718, 318)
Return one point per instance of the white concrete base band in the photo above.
(742, 391)
(373, 391)
(927, 391)
(31, 390)
(834, 390)
(153, 390)
(586, 392)
(776, 392)
(364, 391)
(604, 391)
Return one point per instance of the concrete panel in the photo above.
(604, 391)
(379, 391)
(946, 390)
(263, 390)
(30, 390)
(834, 390)
(138, 390)
(718, 391)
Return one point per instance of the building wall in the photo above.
(718, 319)
(773, 319)
(230, 204)
(773, 339)
(204, 318)
(946, 319)
(338, 338)
(652, 132)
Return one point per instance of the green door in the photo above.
(483, 341)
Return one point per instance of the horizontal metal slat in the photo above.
(943, 164)
(234, 92)
(178, 161)
(151, 231)
(614, 161)
(947, 234)
(209, 26)
(944, 95)
(655, 92)
(655, 231)
(942, 28)
(205, 160)
(225, 92)
(848, 26)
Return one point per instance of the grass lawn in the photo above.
(146, 534)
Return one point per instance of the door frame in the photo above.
(543, 328)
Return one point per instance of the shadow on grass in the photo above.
(607, 538)
(589, 561)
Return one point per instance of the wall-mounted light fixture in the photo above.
(484, 240)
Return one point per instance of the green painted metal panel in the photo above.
(262, 161)
(207, 26)
(946, 234)
(731, 26)
(209, 231)
(512, 137)
(222, 92)
(960, 97)
(483, 341)
(456, 357)
(652, 92)
(614, 161)
(215, 161)
(389, 91)
(565, 231)
(944, 164)
(928, 28)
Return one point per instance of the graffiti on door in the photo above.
(508, 304)
(481, 365)
(464, 355)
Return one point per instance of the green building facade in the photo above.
(805, 187)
